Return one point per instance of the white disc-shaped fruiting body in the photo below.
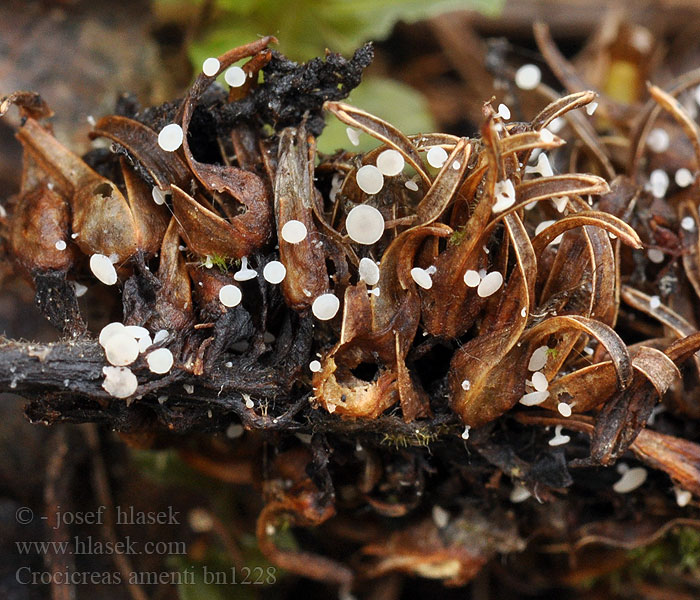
(365, 224)
(528, 77)
(230, 295)
(211, 66)
(293, 231)
(436, 156)
(369, 271)
(274, 272)
(235, 76)
(160, 361)
(170, 137)
(119, 382)
(325, 307)
(121, 349)
(103, 269)
(390, 162)
(369, 179)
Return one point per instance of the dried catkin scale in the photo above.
(300, 251)
(100, 214)
(40, 221)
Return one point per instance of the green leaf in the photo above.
(394, 102)
(307, 27)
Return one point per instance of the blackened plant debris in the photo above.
(429, 333)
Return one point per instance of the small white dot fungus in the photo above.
(528, 77)
(683, 177)
(561, 203)
(539, 381)
(325, 307)
(466, 385)
(245, 273)
(158, 195)
(103, 269)
(490, 284)
(630, 480)
(365, 224)
(60, 245)
(688, 223)
(230, 295)
(293, 231)
(658, 182)
(472, 278)
(465, 433)
(546, 135)
(658, 140)
(233, 431)
(211, 66)
(504, 192)
(503, 112)
(519, 494)
(436, 156)
(119, 382)
(160, 361)
(411, 185)
(80, 289)
(369, 271)
(591, 108)
(543, 167)
(121, 349)
(538, 359)
(654, 302)
(353, 135)
(534, 398)
(234, 76)
(556, 125)
(683, 497)
(559, 439)
(440, 517)
(390, 162)
(369, 179)
(170, 137)
(109, 330)
(160, 335)
(422, 278)
(564, 409)
(655, 255)
(274, 272)
(315, 366)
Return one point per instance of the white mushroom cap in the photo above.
(170, 137)
(119, 382)
(160, 361)
(109, 330)
(235, 76)
(436, 156)
(121, 349)
(274, 272)
(230, 296)
(369, 271)
(365, 224)
(390, 162)
(369, 179)
(293, 231)
(528, 77)
(211, 66)
(102, 268)
(325, 307)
